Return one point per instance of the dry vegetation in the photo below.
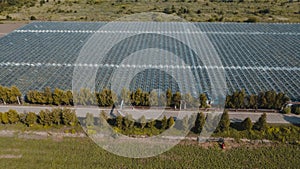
(190, 10)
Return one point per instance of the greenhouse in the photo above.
(188, 57)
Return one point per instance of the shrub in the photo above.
(30, 119)
(247, 124)
(69, 117)
(4, 118)
(13, 116)
(44, 118)
(199, 123)
(261, 124)
(142, 121)
(224, 122)
(287, 110)
(164, 123)
(171, 122)
(32, 18)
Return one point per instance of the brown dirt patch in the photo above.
(9, 27)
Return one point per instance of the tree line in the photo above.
(264, 100)
(195, 123)
(56, 116)
(107, 98)
(126, 125)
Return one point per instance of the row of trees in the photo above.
(264, 100)
(142, 98)
(45, 117)
(106, 97)
(194, 123)
(246, 124)
(128, 125)
(57, 97)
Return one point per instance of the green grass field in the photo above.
(83, 153)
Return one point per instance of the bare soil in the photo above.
(9, 27)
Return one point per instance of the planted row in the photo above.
(264, 100)
(45, 117)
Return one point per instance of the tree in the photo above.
(85, 97)
(241, 99)
(13, 116)
(15, 95)
(253, 101)
(162, 100)
(1, 117)
(235, 99)
(261, 124)
(30, 97)
(199, 123)
(153, 98)
(106, 98)
(89, 120)
(128, 121)
(224, 122)
(151, 124)
(102, 119)
(48, 96)
(56, 116)
(203, 100)
(176, 99)
(3, 94)
(125, 96)
(119, 121)
(287, 110)
(69, 95)
(137, 97)
(164, 123)
(247, 124)
(44, 118)
(190, 100)
(145, 100)
(171, 122)
(57, 96)
(69, 117)
(296, 110)
(142, 122)
(169, 97)
(262, 102)
(4, 118)
(22, 117)
(30, 119)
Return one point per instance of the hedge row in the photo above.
(45, 117)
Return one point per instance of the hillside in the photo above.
(189, 10)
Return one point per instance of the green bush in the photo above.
(247, 124)
(261, 124)
(13, 116)
(30, 119)
(287, 110)
(32, 18)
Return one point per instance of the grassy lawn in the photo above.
(190, 10)
(83, 153)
